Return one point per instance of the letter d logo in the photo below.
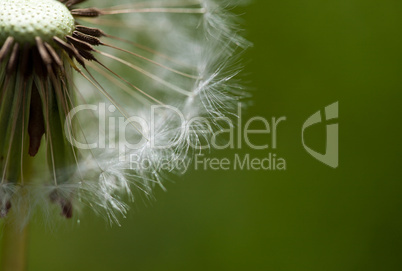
(331, 156)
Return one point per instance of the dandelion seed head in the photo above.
(26, 19)
(106, 100)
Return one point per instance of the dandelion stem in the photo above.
(14, 236)
(14, 248)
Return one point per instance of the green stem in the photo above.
(14, 248)
(15, 238)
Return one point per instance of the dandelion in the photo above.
(152, 81)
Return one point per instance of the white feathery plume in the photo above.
(153, 81)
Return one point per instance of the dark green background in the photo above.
(306, 55)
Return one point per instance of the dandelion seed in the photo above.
(178, 56)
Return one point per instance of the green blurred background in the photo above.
(306, 55)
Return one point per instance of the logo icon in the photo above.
(331, 156)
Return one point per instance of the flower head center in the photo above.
(26, 19)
